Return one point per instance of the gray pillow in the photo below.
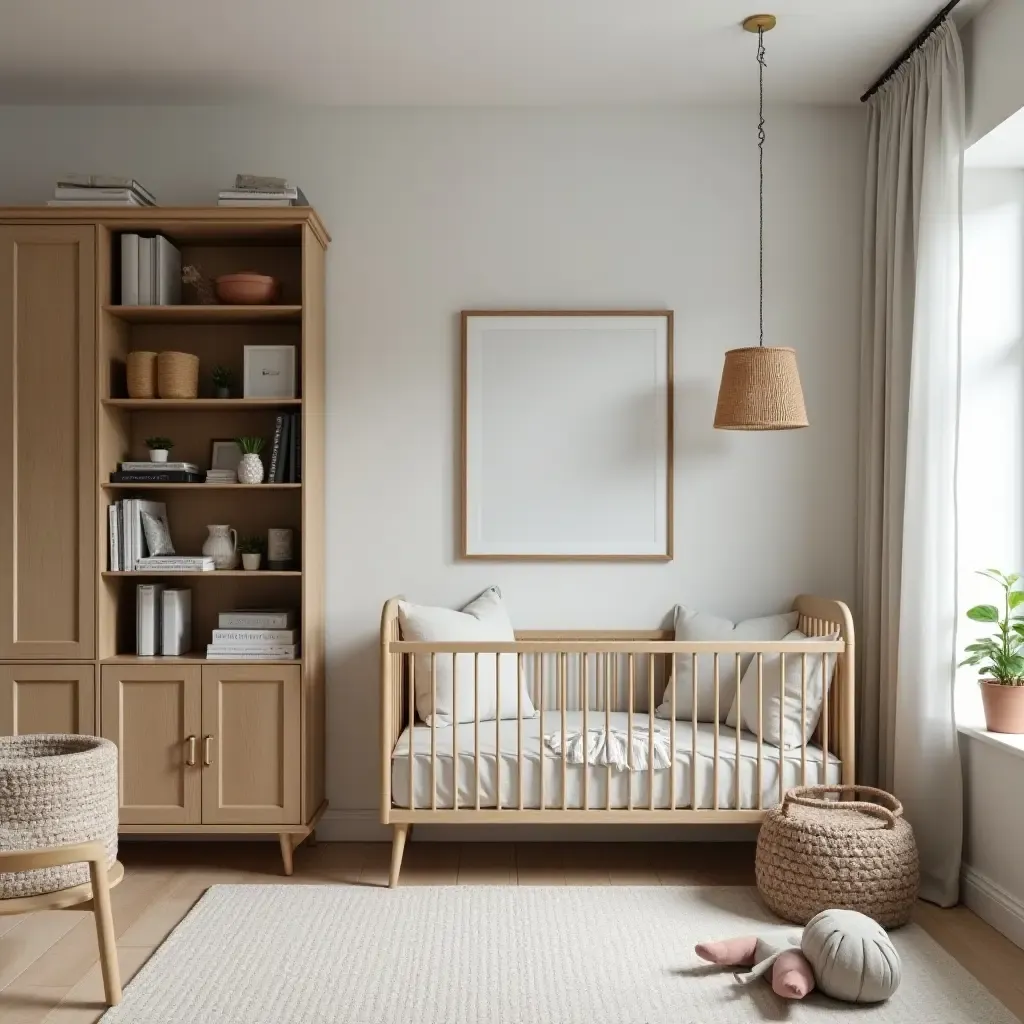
(851, 956)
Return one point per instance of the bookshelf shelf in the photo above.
(204, 404)
(202, 488)
(217, 573)
(194, 658)
(206, 314)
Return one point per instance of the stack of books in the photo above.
(221, 476)
(156, 473)
(163, 620)
(127, 536)
(100, 190)
(286, 451)
(150, 271)
(254, 634)
(256, 190)
(175, 563)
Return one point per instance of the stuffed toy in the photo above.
(844, 953)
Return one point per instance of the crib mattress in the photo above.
(498, 749)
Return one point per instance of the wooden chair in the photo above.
(96, 892)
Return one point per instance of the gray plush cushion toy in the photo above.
(851, 956)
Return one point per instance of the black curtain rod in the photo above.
(910, 50)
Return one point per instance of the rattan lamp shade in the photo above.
(760, 390)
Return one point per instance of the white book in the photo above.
(127, 553)
(147, 619)
(147, 250)
(159, 467)
(88, 192)
(113, 519)
(255, 202)
(175, 622)
(255, 637)
(257, 618)
(168, 273)
(175, 562)
(246, 657)
(259, 193)
(95, 202)
(129, 270)
(261, 181)
(93, 181)
(224, 650)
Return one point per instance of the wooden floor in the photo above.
(48, 960)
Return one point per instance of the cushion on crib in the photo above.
(795, 729)
(483, 620)
(696, 626)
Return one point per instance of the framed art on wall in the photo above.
(567, 435)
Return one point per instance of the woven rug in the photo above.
(304, 954)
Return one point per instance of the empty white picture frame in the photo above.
(269, 371)
(567, 435)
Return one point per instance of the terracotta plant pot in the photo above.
(1004, 707)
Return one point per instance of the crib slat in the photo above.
(519, 729)
(782, 725)
(433, 732)
(476, 730)
(694, 764)
(629, 729)
(585, 691)
(412, 733)
(538, 668)
(650, 731)
(562, 686)
(672, 733)
(455, 735)
(739, 729)
(607, 730)
(714, 770)
(803, 718)
(760, 731)
(497, 727)
(824, 719)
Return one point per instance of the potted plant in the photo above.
(221, 381)
(252, 552)
(250, 467)
(1000, 657)
(159, 447)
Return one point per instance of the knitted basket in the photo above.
(141, 372)
(815, 854)
(177, 375)
(55, 790)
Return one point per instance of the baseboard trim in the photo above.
(993, 904)
(363, 826)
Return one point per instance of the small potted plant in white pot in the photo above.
(250, 467)
(221, 381)
(1000, 658)
(252, 552)
(159, 448)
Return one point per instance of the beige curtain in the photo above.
(909, 408)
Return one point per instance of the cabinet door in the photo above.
(153, 714)
(47, 433)
(47, 698)
(251, 766)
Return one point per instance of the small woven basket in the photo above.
(815, 854)
(141, 369)
(55, 790)
(177, 375)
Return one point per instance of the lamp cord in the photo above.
(760, 171)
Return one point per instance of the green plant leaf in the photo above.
(983, 613)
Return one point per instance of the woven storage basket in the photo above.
(177, 375)
(141, 371)
(55, 790)
(815, 854)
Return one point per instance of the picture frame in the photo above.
(225, 454)
(567, 423)
(269, 371)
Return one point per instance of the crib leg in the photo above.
(397, 850)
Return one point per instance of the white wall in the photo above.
(993, 65)
(434, 211)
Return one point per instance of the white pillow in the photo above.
(794, 731)
(484, 620)
(694, 626)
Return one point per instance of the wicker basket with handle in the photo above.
(817, 854)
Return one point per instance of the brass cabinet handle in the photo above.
(191, 759)
(207, 756)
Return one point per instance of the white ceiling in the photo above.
(445, 52)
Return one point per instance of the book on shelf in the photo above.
(174, 563)
(255, 202)
(261, 182)
(172, 476)
(150, 271)
(175, 621)
(106, 181)
(275, 449)
(129, 272)
(221, 476)
(279, 468)
(257, 618)
(158, 467)
(147, 619)
(255, 637)
(146, 270)
(293, 449)
(114, 527)
(127, 200)
(99, 195)
(127, 537)
(285, 651)
(167, 273)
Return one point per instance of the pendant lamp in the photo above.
(760, 387)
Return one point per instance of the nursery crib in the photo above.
(608, 682)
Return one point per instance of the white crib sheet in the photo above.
(504, 739)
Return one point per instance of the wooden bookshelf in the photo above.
(274, 710)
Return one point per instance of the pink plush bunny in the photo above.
(792, 977)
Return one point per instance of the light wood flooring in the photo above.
(48, 960)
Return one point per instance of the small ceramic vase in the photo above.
(157, 454)
(250, 469)
(222, 547)
(251, 561)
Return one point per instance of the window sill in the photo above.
(1011, 743)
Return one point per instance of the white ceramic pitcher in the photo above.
(222, 547)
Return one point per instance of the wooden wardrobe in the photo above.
(205, 747)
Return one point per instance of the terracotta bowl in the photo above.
(246, 289)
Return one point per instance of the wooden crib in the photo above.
(496, 772)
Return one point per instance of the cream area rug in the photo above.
(305, 954)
